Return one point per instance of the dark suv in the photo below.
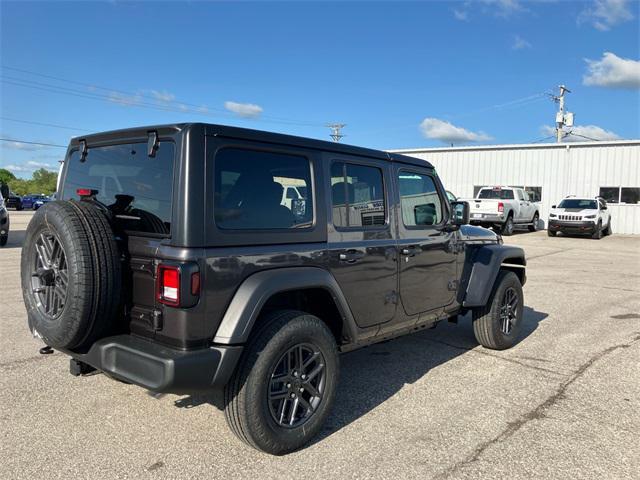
(177, 260)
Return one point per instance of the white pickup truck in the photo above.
(502, 208)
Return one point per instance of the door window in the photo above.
(357, 196)
(419, 200)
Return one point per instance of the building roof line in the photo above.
(518, 146)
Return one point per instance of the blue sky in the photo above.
(398, 74)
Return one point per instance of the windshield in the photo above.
(136, 188)
(578, 203)
(490, 193)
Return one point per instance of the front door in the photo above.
(362, 245)
(427, 248)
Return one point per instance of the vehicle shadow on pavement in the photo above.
(372, 375)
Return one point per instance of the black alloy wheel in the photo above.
(296, 386)
(508, 310)
(49, 276)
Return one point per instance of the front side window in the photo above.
(137, 188)
(357, 196)
(251, 190)
(419, 200)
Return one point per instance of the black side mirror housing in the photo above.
(553, 206)
(459, 213)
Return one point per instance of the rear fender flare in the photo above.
(256, 290)
(486, 262)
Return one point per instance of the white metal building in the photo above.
(552, 171)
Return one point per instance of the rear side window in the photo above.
(251, 190)
(357, 196)
(136, 188)
(419, 200)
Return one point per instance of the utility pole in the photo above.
(562, 119)
(335, 131)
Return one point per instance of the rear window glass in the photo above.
(136, 188)
(496, 194)
(256, 190)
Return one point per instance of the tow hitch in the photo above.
(77, 368)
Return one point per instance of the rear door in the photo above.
(361, 241)
(427, 249)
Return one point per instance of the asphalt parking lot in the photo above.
(563, 403)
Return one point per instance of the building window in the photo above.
(250, 190)
(357, 196)
(630, 195)
(610, 194)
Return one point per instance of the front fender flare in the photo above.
(485, 265)
(254, 292)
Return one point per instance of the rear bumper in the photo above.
(487, 219)
(159, 368)
(575, 228)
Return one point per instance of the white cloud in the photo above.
(520, 43)
(581, 131)
(444, 131)
(613, 72)
(162, 96)
(605, 14)
(504, 8)
(36, 164)
(18, 168)
(123, 99)
(18, 145)
(245, 110)
(461, 15)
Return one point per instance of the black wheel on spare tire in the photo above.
(71, 274)
(497, 325)
(284, 386)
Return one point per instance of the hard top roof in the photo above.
(253, 135)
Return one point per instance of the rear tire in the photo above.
(534, 223)
(254, 411)
(498, 324)
(3, 240)
(507, 227)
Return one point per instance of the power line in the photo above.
(582, 136)
(134, 99)
(15, 140)
(42, 124)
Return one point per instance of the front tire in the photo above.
(607, 231)
(597, 235)
(498, 324)
(551, 233)
(284, 386)
(3, 240)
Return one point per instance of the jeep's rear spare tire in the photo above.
(71, 274)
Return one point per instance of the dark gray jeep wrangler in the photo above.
(193, 257)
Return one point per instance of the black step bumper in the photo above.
(159, 368)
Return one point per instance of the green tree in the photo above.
(42, 181)
(6, 176)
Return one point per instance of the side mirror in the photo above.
(553, 206)
(460, 213)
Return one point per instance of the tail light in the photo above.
(168, 285)
(178, 285)
(501, 207)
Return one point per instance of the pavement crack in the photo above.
(550, 253)
(537, 413)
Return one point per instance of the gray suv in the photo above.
(176, 260)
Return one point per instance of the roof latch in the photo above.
(152, 144)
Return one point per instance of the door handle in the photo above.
(410, 251)
(351, 256)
